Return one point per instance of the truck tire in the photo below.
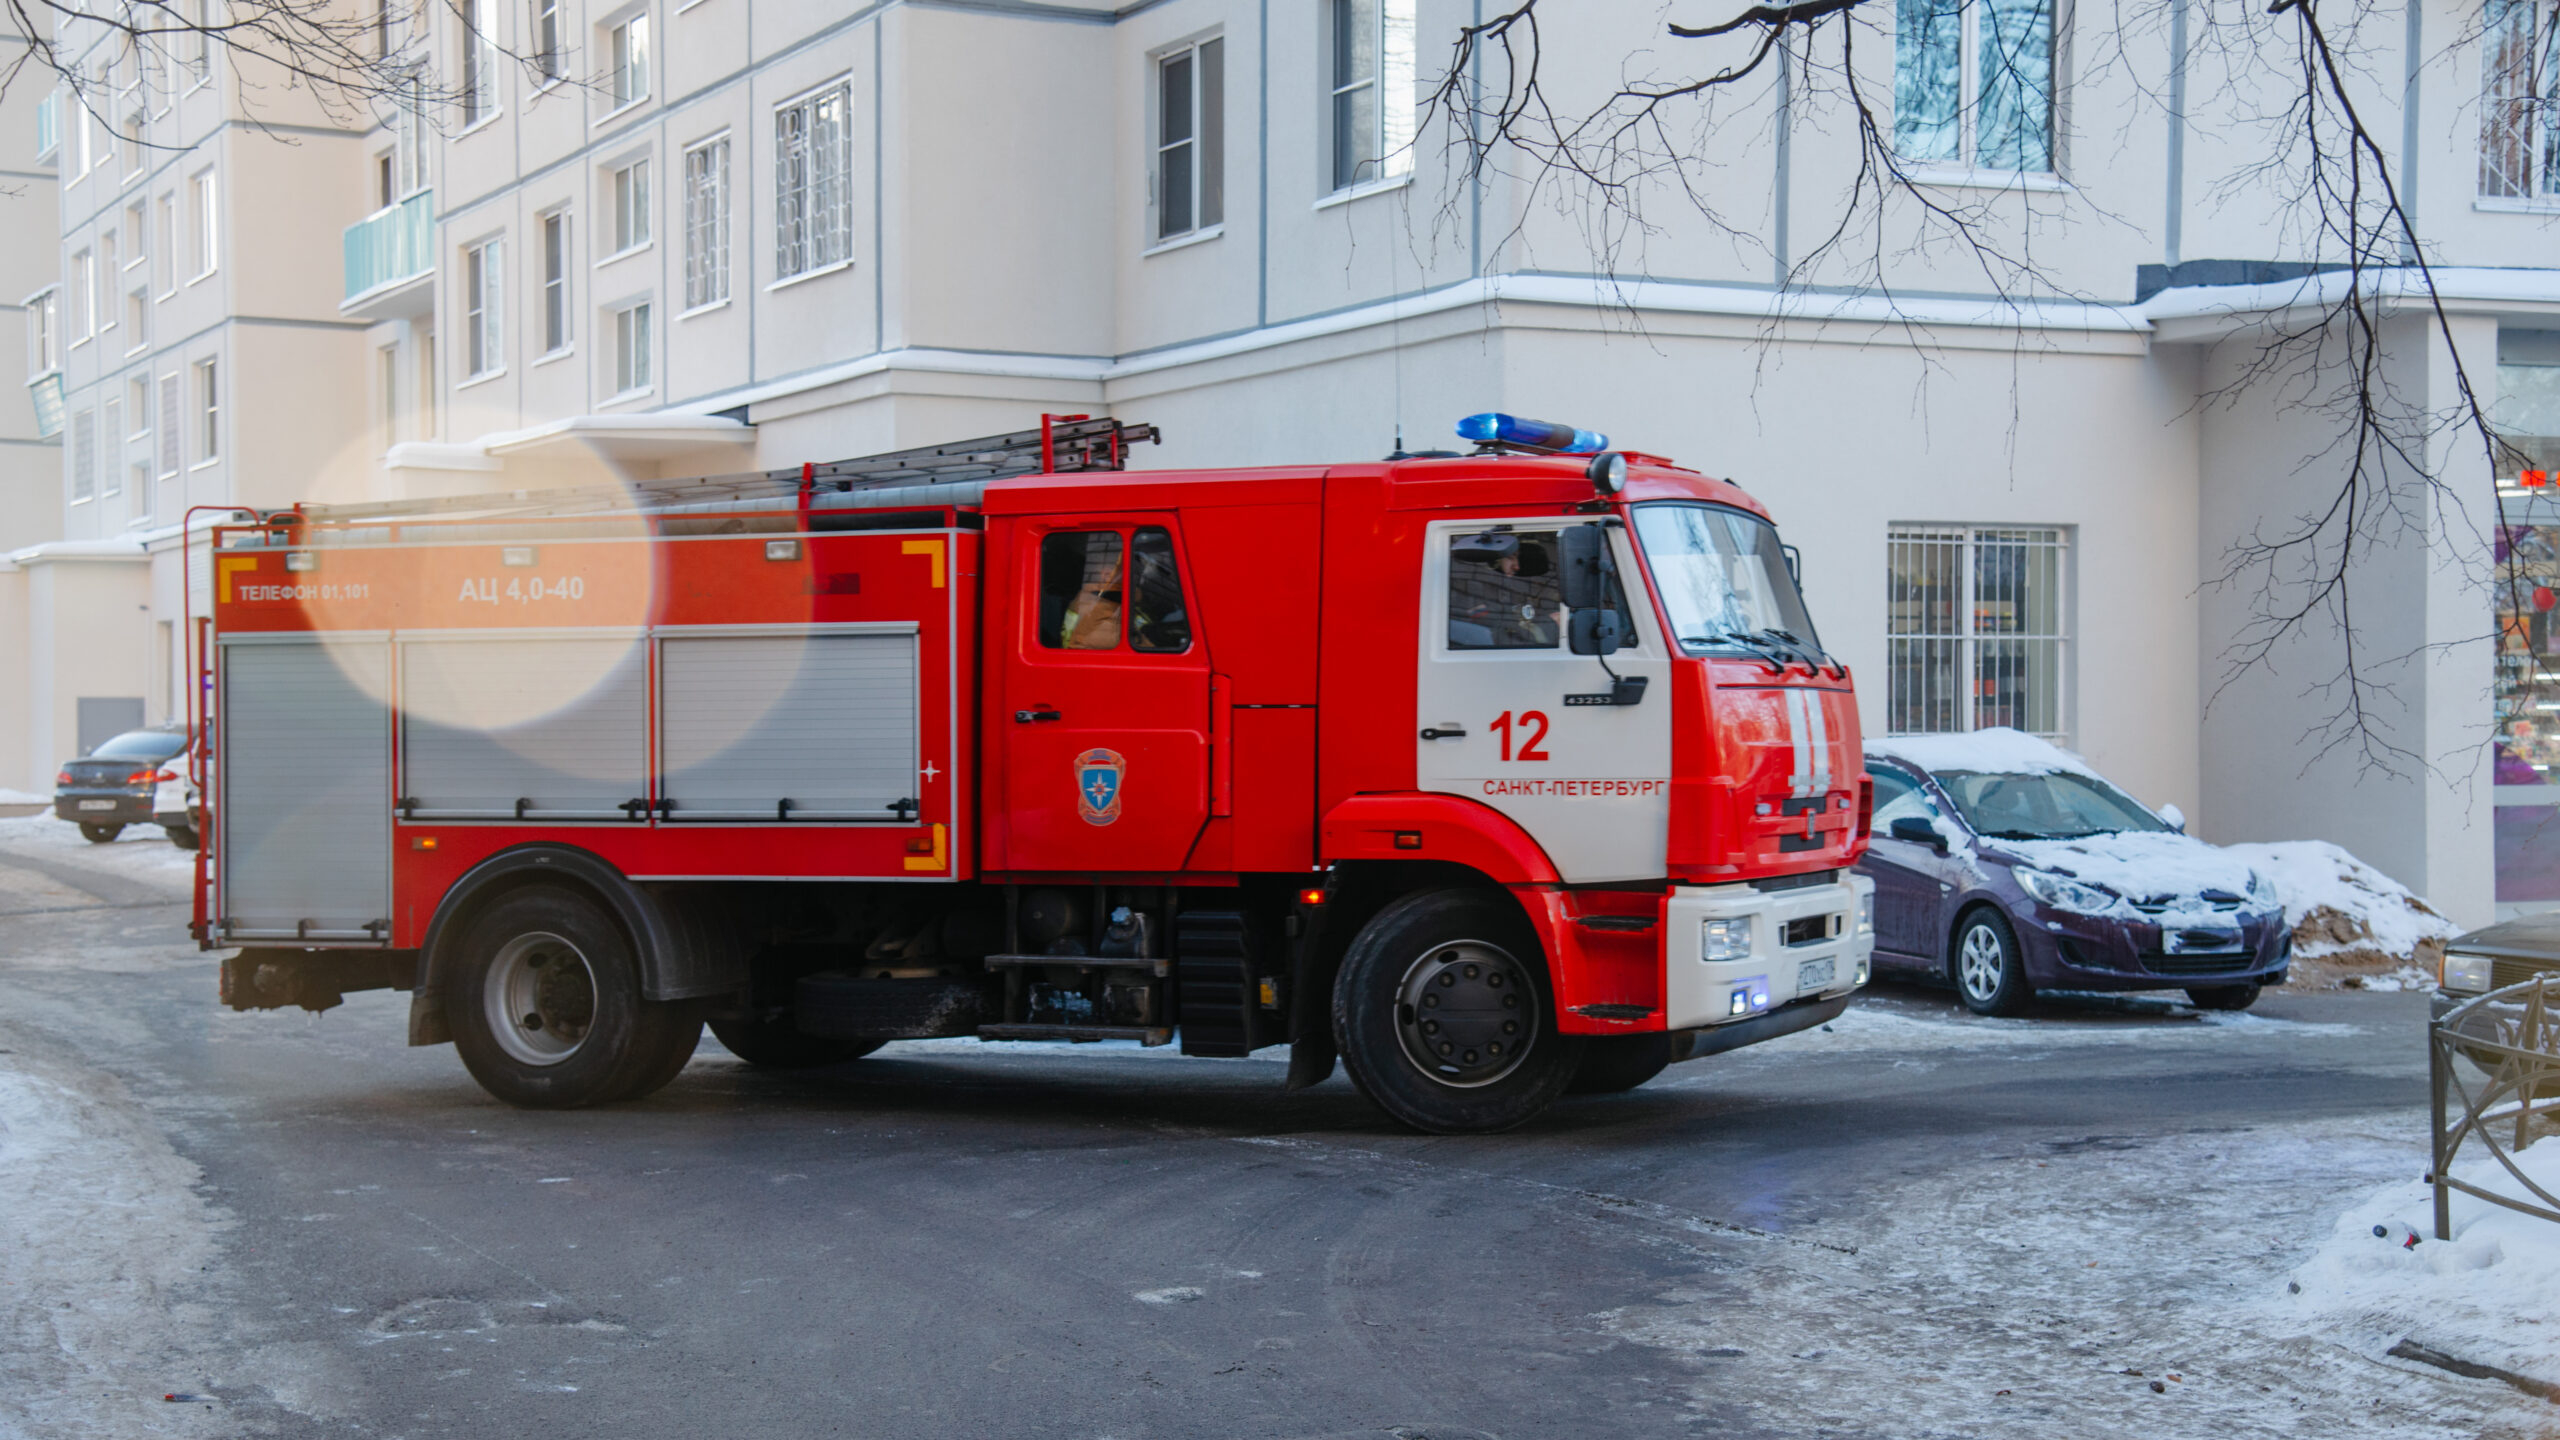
(778, 1044)
(97, 834)
(1614, 1064)
(1989, 971)
(546, 1008)
(183, 836)
(1445, 1016)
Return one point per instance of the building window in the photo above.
(105, 274)
(483, 308)
(48, 127)
(111, 427)
(427, 385)
(546, 39)
(1976, 629)
(1191, 140)
(386, 378)
(628, 47)
(1973, 83)
(137, 229)
(137, 404)
(706, 223)
(555, 282)
(84, 456)
(137, 318)
(44, 332)
(1370, 82)
(84, 296)
(208, 412)
(813, 183)
(631, 206)
(631, 349)
(200, 41)
(2519, 102)
(164, 254)
(479, 90)
(170, 426)
(205, 226)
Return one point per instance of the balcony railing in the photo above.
(391, 245)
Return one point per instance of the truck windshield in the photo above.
(1723, 578)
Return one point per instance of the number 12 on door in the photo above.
(1533, 735)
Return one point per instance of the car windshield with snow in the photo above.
(2004, 865)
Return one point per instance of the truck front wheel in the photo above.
(546, 1006)
(1445, 1016)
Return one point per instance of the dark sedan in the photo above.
(2004, 865)
(112, 786)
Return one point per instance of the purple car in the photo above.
(2004, 865)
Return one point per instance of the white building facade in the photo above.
(693, 236)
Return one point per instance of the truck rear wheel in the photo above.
(547, 1011)
(777, 1044)
(1446, 1018)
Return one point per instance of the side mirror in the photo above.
(1594, 632)
(1919, 830)
(1587, 570)
(2176, 817)
(1795, 564)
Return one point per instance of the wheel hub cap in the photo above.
(1978, 962)
(1466, 1013)
(541, 999)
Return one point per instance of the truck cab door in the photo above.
(1511, 718)
(1104, 714)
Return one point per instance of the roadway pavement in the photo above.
(1915, 1223)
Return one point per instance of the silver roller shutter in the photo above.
(825, 720)
(559, 723)
(305, 771)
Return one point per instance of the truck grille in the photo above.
(1806, 930)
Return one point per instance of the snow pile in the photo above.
(21, 797)
(1996, 751)
(2485, 1296)
(2340, 907)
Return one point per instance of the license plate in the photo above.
(1812, 975)
(97, 804)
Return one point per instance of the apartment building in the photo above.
(689, 236)
(187, 353)
(30, 417)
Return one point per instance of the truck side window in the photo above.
(1158, 623)
(1506, 591)
(1080, 590)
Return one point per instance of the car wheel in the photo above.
(2222, 997)
(97, 834)
(546, 1006)
(1614, 1064)
(183, 836)
(1444, 1015)
(775, 1045)
(1990, 973)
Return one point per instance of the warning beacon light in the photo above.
(1494, 428)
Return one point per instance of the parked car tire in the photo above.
(97, 834)
(1445, 1015)
(1986, 964)
(2222, 997)
(775, 1045)
(546, 1008)
(1614, 1064)
(184, 836)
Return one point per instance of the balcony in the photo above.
(391, 261)
(45, 392)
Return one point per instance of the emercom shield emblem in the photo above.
(1098, 785)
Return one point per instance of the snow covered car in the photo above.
(117, 783)
(2004, 865)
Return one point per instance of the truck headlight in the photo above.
(1867, 913)
(2467, 974)
(1728, 939)
(2064, 894)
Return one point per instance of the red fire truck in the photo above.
(1493, 775)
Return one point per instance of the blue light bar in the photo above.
(1493, 426)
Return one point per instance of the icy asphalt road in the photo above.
(1916, 1225)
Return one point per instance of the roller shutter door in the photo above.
(823, 720)
(559, 723)
(305, 773)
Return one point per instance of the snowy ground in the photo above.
(2206, 1283)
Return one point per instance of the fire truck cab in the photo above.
(1492, 775)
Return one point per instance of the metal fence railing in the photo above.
(2513, 1035)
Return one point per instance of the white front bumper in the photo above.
(1697, 991)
